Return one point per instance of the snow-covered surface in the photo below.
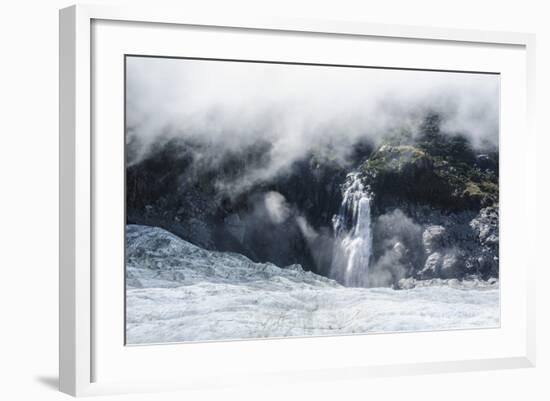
(177, 291)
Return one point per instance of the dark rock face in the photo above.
(434, 208)
(409, 173)
(439, 244)
(485, 225)
(168, 190)
(449, 191)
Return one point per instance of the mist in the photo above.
(398, 245)
(294, 109)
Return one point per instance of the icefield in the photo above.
(176, 292)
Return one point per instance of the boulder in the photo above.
(443, 264)
(433, 238)
(485, 225)
(449, 265)
(432, 265)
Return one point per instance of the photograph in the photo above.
(270, 199)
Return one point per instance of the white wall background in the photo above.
(29, 186)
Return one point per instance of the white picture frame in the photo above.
(80, 373)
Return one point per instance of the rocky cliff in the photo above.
(434, 204)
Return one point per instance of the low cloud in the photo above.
(293, 110)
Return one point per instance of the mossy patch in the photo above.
(448, 177)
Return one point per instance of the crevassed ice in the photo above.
(177, 291)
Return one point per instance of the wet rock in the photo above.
(443, 264)
(433, 238)
(432, 265)
(485, 225)
(449, 265)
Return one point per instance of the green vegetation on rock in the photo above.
(438, 169)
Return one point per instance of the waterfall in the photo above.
(353, 236)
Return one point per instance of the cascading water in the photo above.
(353, 235)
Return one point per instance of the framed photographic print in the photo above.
(278, 200)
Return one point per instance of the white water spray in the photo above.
(352, 229)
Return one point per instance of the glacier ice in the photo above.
(177, 292)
